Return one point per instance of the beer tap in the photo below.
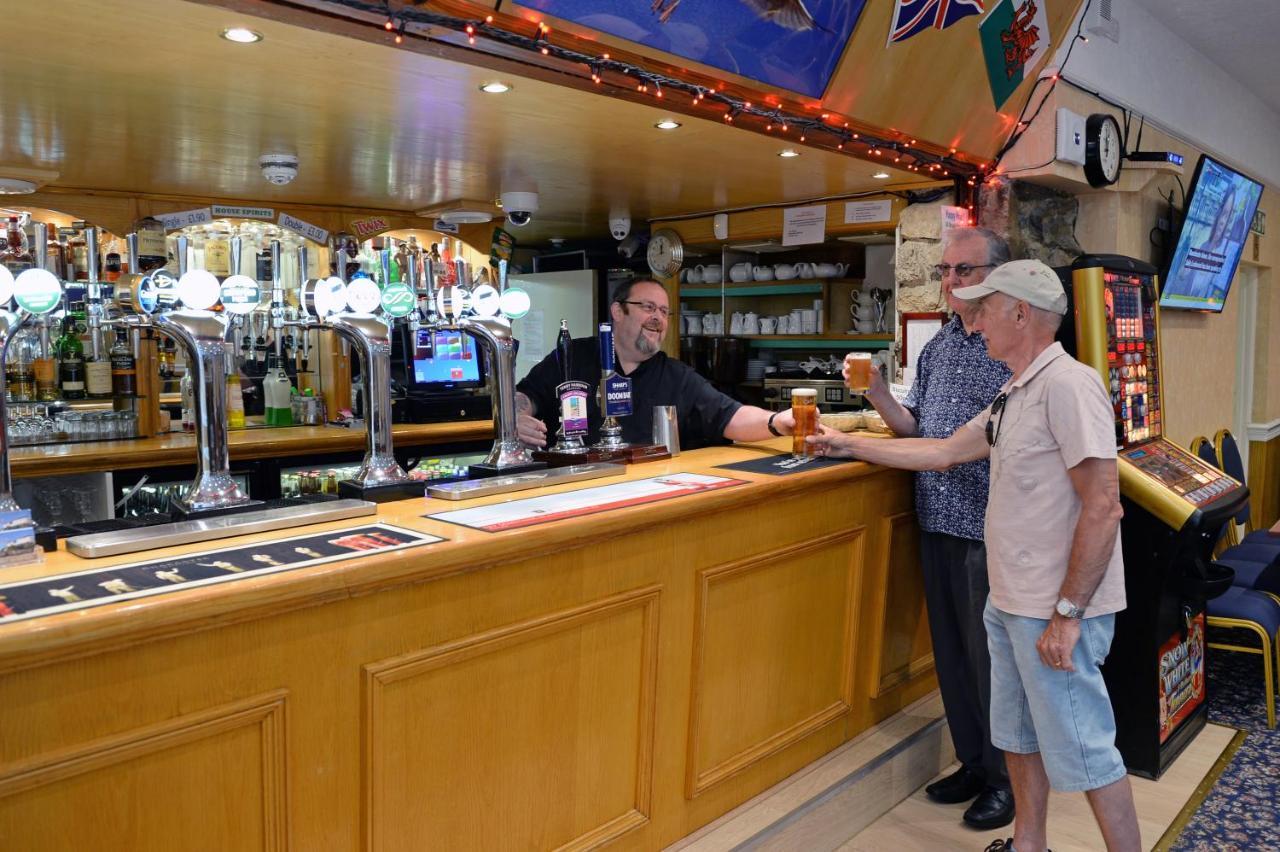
(93, 292)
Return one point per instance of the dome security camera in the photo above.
(620, 225)
(520, 207)
(278, 169)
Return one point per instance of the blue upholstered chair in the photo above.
(1258, 613)
(1252, 558)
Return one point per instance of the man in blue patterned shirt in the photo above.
(955, 380)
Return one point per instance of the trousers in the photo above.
(955, 591)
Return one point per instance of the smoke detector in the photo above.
(279, 169)
(460, 211)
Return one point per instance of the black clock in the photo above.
(1103, 150)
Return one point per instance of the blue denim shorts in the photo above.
(1066, 716)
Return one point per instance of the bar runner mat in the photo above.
(533, 511)
(97, 586)
(782, 464)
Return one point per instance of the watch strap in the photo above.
(772, 429)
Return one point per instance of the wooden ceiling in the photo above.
(141, 96)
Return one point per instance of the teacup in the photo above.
(740, 272)
(865, 326)
(763, 273)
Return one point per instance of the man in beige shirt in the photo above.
(1053, 553)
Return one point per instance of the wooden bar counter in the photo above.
(616, 679)
(177, 448)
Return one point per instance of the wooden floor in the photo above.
(918, 823)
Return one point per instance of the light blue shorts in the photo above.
(1066, 716)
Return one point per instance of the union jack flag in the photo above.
(913, 16)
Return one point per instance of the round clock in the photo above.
(1103, 150)
(666, 252)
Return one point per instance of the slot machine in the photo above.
(1174, 507)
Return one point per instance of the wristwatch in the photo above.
(772, 429)
(1067, 609)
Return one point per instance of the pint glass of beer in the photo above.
(804, 408)
(857, 366)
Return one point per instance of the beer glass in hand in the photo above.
(804, 410)
(857, 371)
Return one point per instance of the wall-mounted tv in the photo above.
(1218, 212)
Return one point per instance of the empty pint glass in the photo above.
(857, 367)
(804, 408)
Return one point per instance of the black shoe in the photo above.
(960, 786)
(992, 809)
(1000, 846)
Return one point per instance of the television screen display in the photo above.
(446, 358)
(1220, 209)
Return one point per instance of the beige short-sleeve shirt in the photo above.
(1056, 415)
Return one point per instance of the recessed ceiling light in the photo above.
(788, 152)
(241, 35)
(881, 175)
(495, 87)
(17, 186)
(667, 124)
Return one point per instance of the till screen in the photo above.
(445, 356)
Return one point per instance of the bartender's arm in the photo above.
(752, 424)
(532, 431)
(966, 445)
(896, 415)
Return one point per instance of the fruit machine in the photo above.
(1175, 505)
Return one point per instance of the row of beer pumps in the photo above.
(358, 311)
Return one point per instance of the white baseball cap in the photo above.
(1029, 280)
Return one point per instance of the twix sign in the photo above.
(369, 227)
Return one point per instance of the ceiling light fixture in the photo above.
(495, 87)
(667, 124)
(241, 35)
(788, 153)
(881, 175)
(17, 186)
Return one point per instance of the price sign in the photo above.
(312, 232)
(37, 290)
(185, 218)
(398, 300)
(240, 294)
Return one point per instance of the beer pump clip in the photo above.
(615, 394)
(38, 293)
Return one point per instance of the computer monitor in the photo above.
(445, 360)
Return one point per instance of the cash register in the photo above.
(442, 374)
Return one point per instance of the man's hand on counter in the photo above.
(532, 431)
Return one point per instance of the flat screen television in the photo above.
(1219, 211)
(444, 360)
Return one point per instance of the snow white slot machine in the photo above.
(1175, 504)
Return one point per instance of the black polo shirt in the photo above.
(703, 411)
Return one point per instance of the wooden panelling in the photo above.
(542, 729)
(772, 652)
(219, 774)
(895, 599)
(1264, 482)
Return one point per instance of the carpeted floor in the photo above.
(1242, 812)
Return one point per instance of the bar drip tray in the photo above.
(274, 514)
(155, 518)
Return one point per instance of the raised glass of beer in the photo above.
(857, 369)
(804, 408)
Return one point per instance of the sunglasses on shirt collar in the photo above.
(993, 424)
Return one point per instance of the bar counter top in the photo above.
(176, 448)
(619, 678)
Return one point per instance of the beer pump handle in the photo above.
(502, 276)
(237, 250)
(564, 351)
(135, 264)
(606, 348)
(183, 246)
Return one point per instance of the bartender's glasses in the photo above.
(649, 308)
(993, 425)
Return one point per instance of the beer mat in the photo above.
(782, 464)
(97, 586)
(533, 511)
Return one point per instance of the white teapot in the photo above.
(784, 271)
(763, 273)
(710, 274)
(750, 323)
(740, 272)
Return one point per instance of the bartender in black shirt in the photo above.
(640, 310)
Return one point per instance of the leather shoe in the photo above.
(960, 786)
(992, 809)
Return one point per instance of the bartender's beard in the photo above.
(646, 346)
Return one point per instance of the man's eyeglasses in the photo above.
(962, 270)
(649, 308)
(993, 425)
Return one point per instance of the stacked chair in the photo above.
(1253, 601)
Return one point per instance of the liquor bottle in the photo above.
(112, 267)
(124, 369)
(217, 253)
(15, 256)
(45, 368)
(153, 251)
(235, 396)
(98, 379)
(20, 382)
(70, 361)
(278, 393)
(78, 251)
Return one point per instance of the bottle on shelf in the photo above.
(278, 393)
(124, 369)
(235, 396)
(70, 361)
(19, 368)
(45, 368)
(153, 251)
(111, 269)
(15, 257)
(217, 253)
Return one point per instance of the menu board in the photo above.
(98, 586)
(533, 511)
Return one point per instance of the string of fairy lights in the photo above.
(602, 69)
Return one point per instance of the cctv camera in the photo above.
(278, 169)
(520, 207)
(633, 246)
(620, 226)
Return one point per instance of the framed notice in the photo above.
(917, 330)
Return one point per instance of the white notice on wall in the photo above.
(312, 232)
(185, 218)
(918, 332)
(804, 225)
(864, 212)
(953, 217)
(533, 341)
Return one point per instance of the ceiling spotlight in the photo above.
(788, 153)
(241, 35)
(495, 87)
(881, 175)
(17, 186)
(667, 124)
